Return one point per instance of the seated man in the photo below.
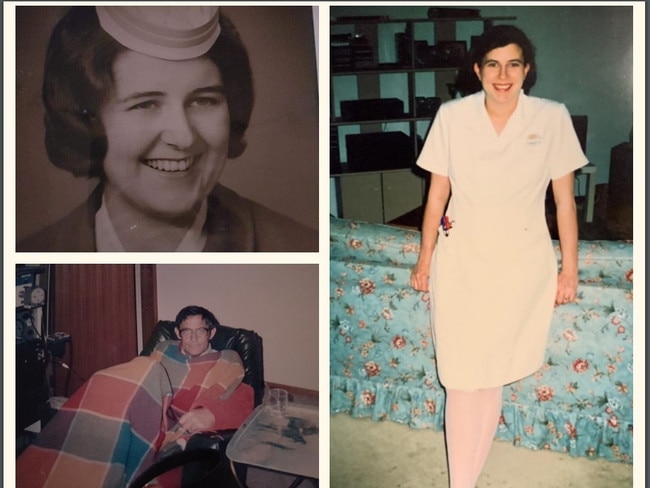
(115, 425)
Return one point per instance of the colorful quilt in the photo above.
(112, 428)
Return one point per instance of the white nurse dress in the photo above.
(494, 276)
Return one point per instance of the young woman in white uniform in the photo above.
(486, 252)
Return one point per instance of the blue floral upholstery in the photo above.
(383, 366)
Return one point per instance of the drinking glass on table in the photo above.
(278, 399)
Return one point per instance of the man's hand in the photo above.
(197, 420)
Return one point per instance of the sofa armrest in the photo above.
(373, 243)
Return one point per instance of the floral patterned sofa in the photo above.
(382, 362)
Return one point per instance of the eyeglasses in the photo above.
(201, 333)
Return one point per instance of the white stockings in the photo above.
(471, 419)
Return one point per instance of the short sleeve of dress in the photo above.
(566, 153)
(434, 156)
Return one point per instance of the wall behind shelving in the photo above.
(584, 56)
(278, 301)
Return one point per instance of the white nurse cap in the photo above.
(173, 33)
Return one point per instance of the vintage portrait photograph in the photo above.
(166, 128)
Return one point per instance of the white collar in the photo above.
(107, 240)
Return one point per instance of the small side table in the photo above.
(590, 171)
(286, 444)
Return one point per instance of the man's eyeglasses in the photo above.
(201, 333)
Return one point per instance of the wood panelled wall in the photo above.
(96, 305)
(149, 299)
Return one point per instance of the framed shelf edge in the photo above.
(406, 118)
(360, 20)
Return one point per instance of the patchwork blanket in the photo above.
(112, 428)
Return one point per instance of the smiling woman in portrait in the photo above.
(153, 101)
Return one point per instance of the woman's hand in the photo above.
(567, 287)
(420, 276)
(197, 420)
(437, 199)
(567, 222)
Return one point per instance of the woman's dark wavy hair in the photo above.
(193, 310)
(79, 77)
(494, 37)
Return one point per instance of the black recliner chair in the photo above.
(204, 458)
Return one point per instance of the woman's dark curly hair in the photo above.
(494, 37)
(79, 77)
(193, 310)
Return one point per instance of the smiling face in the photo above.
(502, 74)
(167, 125)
